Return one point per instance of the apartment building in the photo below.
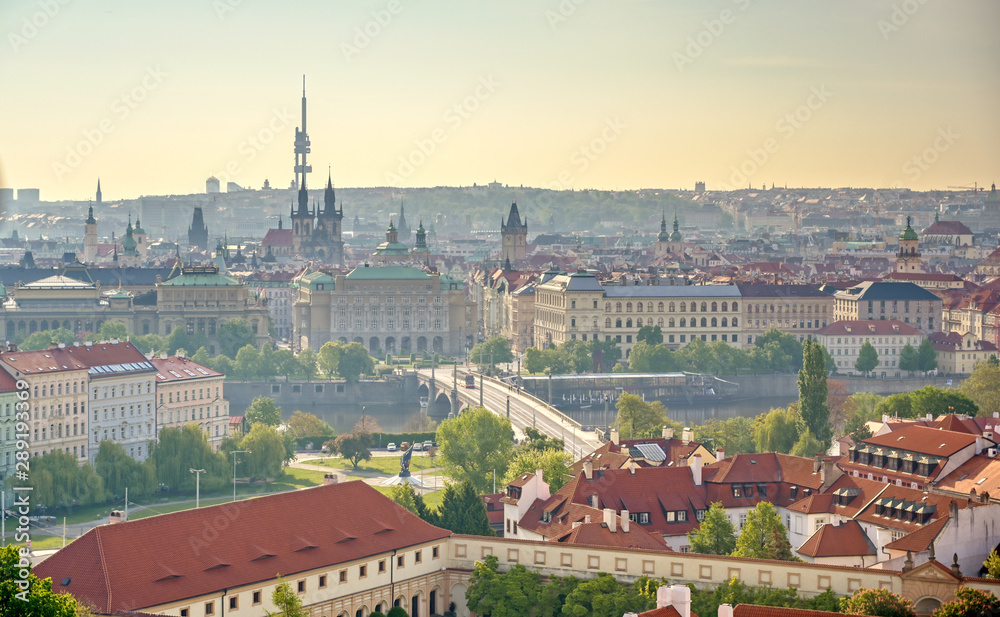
(189, 393)
(878, 300)
(844, 339)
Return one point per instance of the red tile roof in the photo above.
(920, 539)
(277, 237)
(947, 228)
(752, 610)
(845, 540)
(666, 611)
(42, 361)
(7, 383)
(598, 534)
(979, 473)
(195, 552)
(175, 369)
(869, 327)
(924, 440)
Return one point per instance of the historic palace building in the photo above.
(389, 309)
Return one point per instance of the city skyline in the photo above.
(555, 95)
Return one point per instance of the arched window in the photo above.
(715, 307)
(572, 322)
(628, 307)
(607, 307)
(670, 322)
(725, 321)
(704, 307)
(618, 322)
(659, 322)
(736, 321)
(638, 307)
(694, 322)
(684, 307)
(669, 308)
(694, 307)
(618, 307)
(704, 322)
(607, 322)
(638, 322)
(736, 307)
(628, 323)
(725, 307)
(714, 322)
(683, 322)
(649, 307)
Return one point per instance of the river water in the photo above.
(399, 418)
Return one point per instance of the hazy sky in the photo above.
(154, 97)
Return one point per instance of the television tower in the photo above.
(301, 150)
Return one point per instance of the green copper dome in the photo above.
(908, 233)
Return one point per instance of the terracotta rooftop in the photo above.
(980, 474)
(181, 560)
(920, 539)
(869, 327)
(752, 610)
(598, 534)
(180, 369)
(845, 540)
(924, 440)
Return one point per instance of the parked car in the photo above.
(391, 447)
(428, 444)
(417, 447)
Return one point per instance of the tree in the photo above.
(756, 539)
(329, 357)
(836, 401)
(909, 359)
(286, 601)
(354, 362)
(112, 330)
(178, 450)
(650, 334)
(303, 424)
(474, 446)
(59, 482)
(983, 387)
(154, 344)
(263, 410)
(813, 391)
(536, 440)
(119, 471)
(877, 602)
(514, 593)
(867, 359)
(247, 363)
(307, 360)
(604, 595)
(38, 598)
(648, 358)
(777, 431)
(233, 335)
(492, 351)
(807, 445)
(860, 407)
(735, 435)
(790, 349)
(716, 534)
(555, 465)
(463, 511)
(970, 602)
(534, 361)
(936, 401)
(264, 452)
(397, 611)
(640, 418)
(992, 564)
(927, 356)
(355, 447)
(406, 496)
(44, 338)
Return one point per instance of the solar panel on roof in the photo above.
(652, 452)
(203, 371)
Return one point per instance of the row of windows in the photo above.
(56, 432)
(116, 434)
(201, 394)
(786, 308)
(705, 322)
(116, 391)
(56, 410)
(189, 414)
(132, 410)
(671, 307)
(390, 325)
(57, 389)
(83, 453)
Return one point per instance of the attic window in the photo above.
(981, 480)
(65, 582)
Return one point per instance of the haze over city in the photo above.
(571, 94)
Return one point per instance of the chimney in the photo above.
(687, 436)
(586, 519)
(614, 436)
(593, 500)
(930, 417)
(576, 524)
(588, 469)
(117, 516)
(720, 454)
(725, 610)
(677, 596)
(329, 478)
(631, 467)
(609, 519)
(668, 433)
(817, 463)
(625, 521)
(696, 469)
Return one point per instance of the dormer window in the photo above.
(546, 517)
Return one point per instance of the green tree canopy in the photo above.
(247, 363)
(638, 418)
(787, 345)
(909, 359)
(463, 511)
(119, 471)
(927, 356)
(650, 334)
(233, 335)
(716, 535)
(307, 362)
(303, 424)
(59, 482)
(555, 465)
(180, 449)
(514, 593)
(355, 362)
(112, 330)
(970, 602)
(498, 346)
(756, 539)
(983, 387)
(42, 339)
(355, 447)
(38, 599)
(262, 410)
(807, 445)
(777, 431)
(287, 601)
(813, 392)
(867, 359)
(328, 358)
(735, 435)
(878, 603)
(474, 445)
(264, 452)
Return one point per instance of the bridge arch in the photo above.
(442, 404)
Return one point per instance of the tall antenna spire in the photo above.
(301, 151)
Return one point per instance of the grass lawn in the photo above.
(388, 465)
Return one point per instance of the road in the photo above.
(525, 412)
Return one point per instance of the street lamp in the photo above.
(197, 486)
(234, 453)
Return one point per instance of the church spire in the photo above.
(99, 196)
